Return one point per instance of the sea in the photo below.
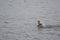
(18, 19)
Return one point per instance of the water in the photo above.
(18, 19)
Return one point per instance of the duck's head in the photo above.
(39, 22)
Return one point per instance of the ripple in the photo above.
(58, 34)
(51, 26)
(36, 38)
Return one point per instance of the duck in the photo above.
(40, 25)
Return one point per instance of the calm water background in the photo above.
(18, 19)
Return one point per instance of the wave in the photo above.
(49, 26)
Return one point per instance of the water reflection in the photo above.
(39, 27)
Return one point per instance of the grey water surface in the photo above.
(18, 19)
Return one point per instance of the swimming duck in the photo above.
(40, 25)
